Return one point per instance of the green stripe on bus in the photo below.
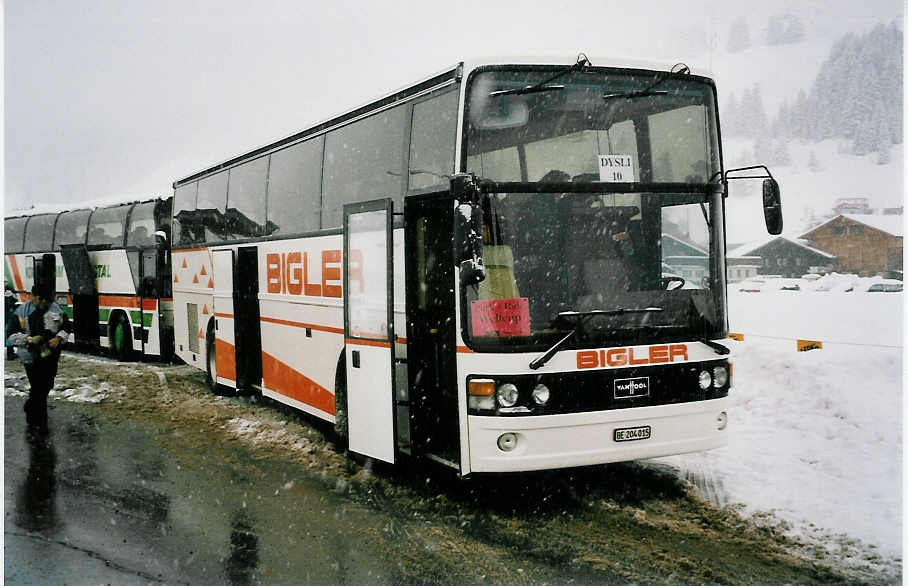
(103, 315)
(8, 275)
(68, 310)
(144, 318)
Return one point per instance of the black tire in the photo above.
(341, 425)
(121, 338)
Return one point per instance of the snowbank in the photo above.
(815, 437)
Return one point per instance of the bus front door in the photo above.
(369, 328)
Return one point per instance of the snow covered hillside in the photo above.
(815, 437)
(753, 85)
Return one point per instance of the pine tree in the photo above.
(738, 36)
(780, 154)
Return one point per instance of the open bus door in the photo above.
(236, 310)
(369, 328)
(224, 331)
(80, 272)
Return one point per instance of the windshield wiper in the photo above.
(543, 86)
(632, 95)
(530, 89)
(581, 315)
(677, 69)
(716, 346)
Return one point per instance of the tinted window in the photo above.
(106, 226)
(246, 199)
(432, 141)
(39, 233)
(185, 229)
(363, 161)
(13, 232)
(211, 204)
(141, 225)
(71, 228)
(294, 188)
(163, 217)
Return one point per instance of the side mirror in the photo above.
(772, 206)
(468, 243)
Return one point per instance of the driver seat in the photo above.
(499, 282)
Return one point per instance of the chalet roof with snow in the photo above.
(677, 246)
(752, 248)
(893, 225)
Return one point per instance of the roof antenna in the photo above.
(583, 61)
(680, 69)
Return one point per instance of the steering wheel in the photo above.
(671, 279)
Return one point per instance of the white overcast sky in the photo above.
(117, 99)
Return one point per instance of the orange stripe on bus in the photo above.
(224, 315)
(360, 342)
(297, 324)
(463, 350)
(149, 304)
(16, 277)
(118, 301)
(283, 379)
(225, 354)
(188, 250)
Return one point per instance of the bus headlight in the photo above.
(720, 376)
(541, 394)
(507, 395)
(705, 379)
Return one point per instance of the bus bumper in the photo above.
(582, 439)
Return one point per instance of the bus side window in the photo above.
(432, 139)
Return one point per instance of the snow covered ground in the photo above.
(815, 437)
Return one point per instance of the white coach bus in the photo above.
(472, 269)
(111, 266)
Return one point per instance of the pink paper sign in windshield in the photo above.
(501, 317)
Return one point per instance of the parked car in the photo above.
(886, 286)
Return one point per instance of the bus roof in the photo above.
(39, 209)
(446, 75)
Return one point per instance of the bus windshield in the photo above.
(647, 260)
(614, 267)
(591, 125)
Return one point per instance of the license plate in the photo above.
(629, 434)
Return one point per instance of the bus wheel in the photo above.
(211, 361)
(340, 402)
(121, 339)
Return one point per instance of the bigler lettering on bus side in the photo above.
(289, 273)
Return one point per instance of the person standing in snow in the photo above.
(37, 333)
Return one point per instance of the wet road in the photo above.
(99, 502)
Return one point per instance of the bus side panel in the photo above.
(116, 294)
(301, 308)
(193, 289)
